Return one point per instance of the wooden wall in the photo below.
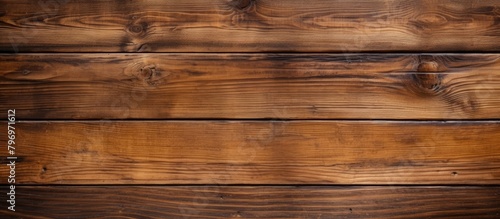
(252, 108)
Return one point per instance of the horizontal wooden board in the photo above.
(249, 25)
(253, 202)
(251, 152)
(297, 86)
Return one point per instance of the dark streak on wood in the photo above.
(254, 202)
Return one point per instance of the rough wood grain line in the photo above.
(249, 25)
(298, 86)
(254, 202)
(250, 152)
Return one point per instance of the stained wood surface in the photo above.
(289, 86)
(248, 152)
(252, 108)
(255, 202)
(249, 26)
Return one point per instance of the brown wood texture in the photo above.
(287, 86)
(249, 26)
(250, 152)
(251, 108)
(255, 202)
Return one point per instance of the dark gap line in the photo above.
(261, 185)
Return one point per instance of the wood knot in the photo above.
(428, 66)
(137, 29)
(427, 80)
(144, 48)
(151, 75)
(147, 72)
(431, 82)
(241, 4)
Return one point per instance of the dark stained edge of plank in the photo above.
(254, 202)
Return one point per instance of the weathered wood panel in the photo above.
(254, 202)
(249, 25)
(250, 152)
(291, 86)
(198, 139)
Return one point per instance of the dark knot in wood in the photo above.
(242, 4)
(147, 72)
(144, 48)
(428, 66)
(151, 75)
(428, 81)
(135, 28)
(138, 29)
(428, 78)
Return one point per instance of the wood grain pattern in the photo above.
(249, 26)
(232, 86)
(252, 108)
(250, 152)
(255, 202)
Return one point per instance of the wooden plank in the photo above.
(251, 152)
(249, 26)
(254, 202)
(298, 86)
